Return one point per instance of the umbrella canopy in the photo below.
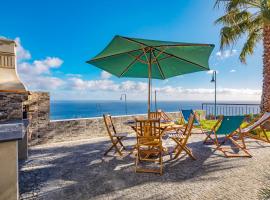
(141, 58)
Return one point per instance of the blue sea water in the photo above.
(89, 108)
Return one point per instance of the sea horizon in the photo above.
(70, 109)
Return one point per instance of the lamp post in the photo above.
(214, 80)
(125, 99)
(156, 100)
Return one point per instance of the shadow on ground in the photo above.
(79, 171)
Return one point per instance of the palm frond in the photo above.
(230, 34)
(266, 11)
(233, 4)
(243, 17)
(242, 4)
(233, 17)
(253, 38)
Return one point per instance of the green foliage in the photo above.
(243, 18)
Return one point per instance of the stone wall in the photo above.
(43, 130)
(84, 128)
(11, 105)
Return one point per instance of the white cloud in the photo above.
(22, 54)
(226, 54)
(36, 75)
(39, 67)
(206, 91)
(93, 85)
(211, 71)
(138, 90)
(233, 70)
(106, 85)
(43, 82)
(133, 86)
(105, 75)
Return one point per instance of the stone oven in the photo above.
(13, 94)
(13, 128)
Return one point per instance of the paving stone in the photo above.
(77, 170)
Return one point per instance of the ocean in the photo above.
(91, 108)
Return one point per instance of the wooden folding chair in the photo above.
(185, 114)
(149, 144)
(260, 124)
(181, 139)
(229, 126)
(116, 138)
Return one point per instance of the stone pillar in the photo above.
(39, 115)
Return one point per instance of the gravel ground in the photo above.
(77, 170)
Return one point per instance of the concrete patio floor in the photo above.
(78, 170)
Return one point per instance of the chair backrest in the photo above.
(148, 128)
(186, 114)
(260, 121)
(164, 116)
(155, 115)
(188, 128)
(109, 125)
(229, 124)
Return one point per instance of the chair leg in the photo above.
(161, 163)
(159, 160)
(114, 145)
(243, 141)
(243, 148)
(202, 130)
(136, 161)
(118, 150)
(120, 142)
(178, 149)
(208, 136)
(189, 152)
(265, 135)
(178, 152)
(108, 150)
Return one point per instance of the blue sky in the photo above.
(55, 39)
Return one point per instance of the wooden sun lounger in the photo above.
(262, 123)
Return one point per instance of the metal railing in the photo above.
(230, 109)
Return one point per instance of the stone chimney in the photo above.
(9, 81)
(12, 91)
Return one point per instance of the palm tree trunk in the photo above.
(265, 101)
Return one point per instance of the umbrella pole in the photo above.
(149, 83)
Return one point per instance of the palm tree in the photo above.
(250, 19)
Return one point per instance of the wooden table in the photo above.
(165, 126)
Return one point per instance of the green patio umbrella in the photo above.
(141, 58)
